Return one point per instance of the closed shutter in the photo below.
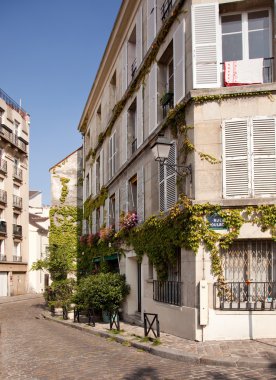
(101, 167)
(236, 170)
(117, 209)
(140, 117)
(264, 156)
(139, 37)
(151, 21)
(179, 63)
(106, 211)
(124, 68)
(167, 182)
(140, 195)
(205, 22)
(110, 158)
(123, 195)
(93, 222)
(124, 138)
(94, 179)
(126, 197)
(152, 83)
(161, 187)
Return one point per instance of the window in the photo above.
(167, 182)
(250, 269)
(249, 157)
(113, 85)
(166, 81)
(132, 194)
(132, 129)
(16, 128)
(16, 190)
(1, 117)
(131, 55)
(15, 218)
(87, 186)
(112, 155)
(17, 252)
(98, 170)
(112, 211)
(2, 247)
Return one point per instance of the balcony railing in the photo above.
(17, 230)
(166, 103)
(3, 196)
(267, 71)
(3, 165)
(3, 227)
(17, 201)
(3, 258)
(167, 292)
(9, 101)
(17, 173)
(245, 296)
(17, 258)
(165, 9)
(133, 68)
(9, 136)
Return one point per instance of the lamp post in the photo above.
(161, 149)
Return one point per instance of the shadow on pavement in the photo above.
(143, 374)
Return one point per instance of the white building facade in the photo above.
(216, 58)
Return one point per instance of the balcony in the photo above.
(7, 134)
(3, 197)
(3, 227)
(165, 9)
(17, 174)
(17, 231)
(3, 166)
(16, 258)
(10, 102)
(245, 296)
(3, 258)
(167, 292)
(166, 103)
(17, 202)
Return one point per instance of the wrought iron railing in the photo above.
(267, 70)
(3, 227)
(245, 296)
(3, 196)
(165, 9)
(17, 258)
(9, 101)
(133, 68)
(17, 201)
(17, 230)
(166, 103)
(3, 165)
(3, 258)
(17, 173)
(167, 292)
(13, 139)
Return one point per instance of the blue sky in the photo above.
(50, 54)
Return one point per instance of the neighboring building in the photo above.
(38, 241)
(14, 196)
(233, 122)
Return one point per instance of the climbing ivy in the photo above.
(92, 203)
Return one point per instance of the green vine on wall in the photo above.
(92, 203)
(64, 189)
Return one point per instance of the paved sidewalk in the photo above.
(22, 297)
(242, 353)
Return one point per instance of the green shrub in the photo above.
(60, 293)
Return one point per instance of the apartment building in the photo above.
(213, 60)
(14, 196)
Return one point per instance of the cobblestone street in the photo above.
(35, 348)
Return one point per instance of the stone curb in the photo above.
(171, 353)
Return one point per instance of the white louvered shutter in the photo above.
(139, 37)
(124, 68)
(152, 83)
(171, 179)
(123, 196)
(126, 197)
(117, 209)
(264, 156)
(101, 168)
(236, 158)
(161, 187)
(101, 215)
(124, 138)
(151, 21)
(94, 179)
(140, 117)
(93, 222)
(110, 158)
(140, 195)
(106, 210)
(205, 22)
(179, 62)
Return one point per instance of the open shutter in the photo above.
(124, 139)
(94, 179)
(161, 187)
(139, 37)
(140, 117)
(151, 21)
(140, 195)
(171, 179)
(93, 222)
(101, 215)
(106, 211)
(126, 197)
(179, 62)
(205, 22)
(124, 68)
(236, 170)
(152, 83)
(123, 195)
(264, 156)
(117, 209)
(110, 158)
(101, 168)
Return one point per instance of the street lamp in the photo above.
(161, 149)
